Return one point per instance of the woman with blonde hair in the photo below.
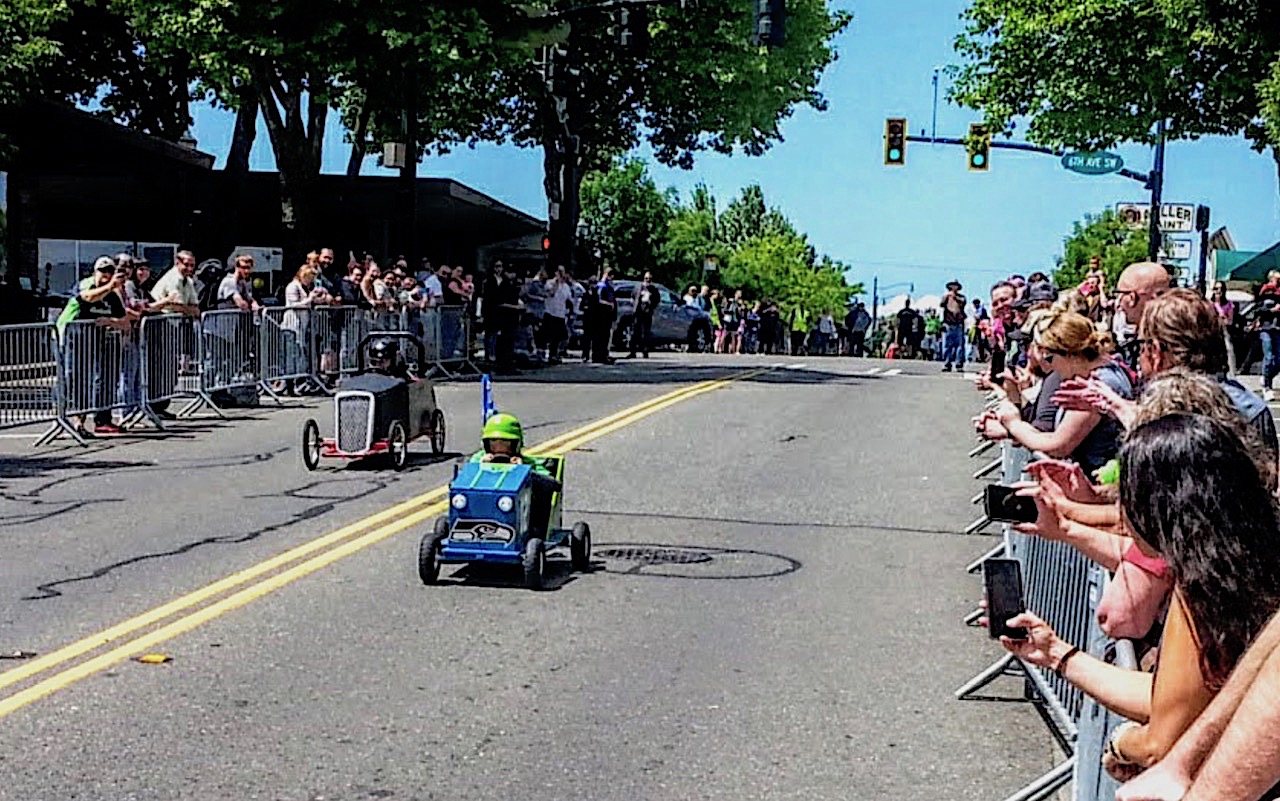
(300, 295)
(1070, 345)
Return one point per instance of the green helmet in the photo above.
(504, 426)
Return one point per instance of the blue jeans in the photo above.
(953, 344)
(1270, 355)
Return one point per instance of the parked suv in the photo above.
(674, 323)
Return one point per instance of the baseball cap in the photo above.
(104, 264)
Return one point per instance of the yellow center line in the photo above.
(125, 628)
(562, 443)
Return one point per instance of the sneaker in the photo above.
(106, 428)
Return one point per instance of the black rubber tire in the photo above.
(699, 338)
(439, 432)
(311, 444)
(534, 563)
(429, 552)
(397, 445)
(580, 547)
(623, 333)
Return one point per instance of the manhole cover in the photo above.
(678, 561)
(655, 556)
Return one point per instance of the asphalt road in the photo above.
(774, 612)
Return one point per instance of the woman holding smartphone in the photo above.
(1192, 493)
(1071, 346)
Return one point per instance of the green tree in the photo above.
(699, 85)
(691, 239)
(779, 266)
(85, 51)
(296, 60)
(627, 215)
(747, 217)
(1105, 236)
(1089, 75)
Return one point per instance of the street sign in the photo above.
(1175, 218)
(1087, 163)
(1179, 250)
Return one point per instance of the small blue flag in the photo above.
(489, 408)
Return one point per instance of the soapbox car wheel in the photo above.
(429, 551)
(438, 431)
(398, 445)
(311, 444)
(534, 563)
(580, 547)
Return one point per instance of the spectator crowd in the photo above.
(1155, 463)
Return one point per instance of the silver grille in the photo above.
(354, 411)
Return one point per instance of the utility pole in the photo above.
(1157, 194)
(933, 132)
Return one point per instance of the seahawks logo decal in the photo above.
(482, 530)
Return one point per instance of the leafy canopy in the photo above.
(1103, 235)
(1092, 74)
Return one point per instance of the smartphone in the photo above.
(1003, 580)
(997, 362)
(1004, 505)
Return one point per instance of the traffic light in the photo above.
(562, 72)
(895, 142)
(546, 243)
(979, 148)
(769, 22)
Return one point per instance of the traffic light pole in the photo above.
(1027, 147)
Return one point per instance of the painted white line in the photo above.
(894, 371)
(19, 436)
(778, 366)
(872, 371)
(796, 366)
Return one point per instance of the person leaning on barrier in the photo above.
(98, 298)
(1192, 494)
(1179, 328)
(1073, 511)
(1070, 346)
(177, 287)
(1231, 752)
(234, 292)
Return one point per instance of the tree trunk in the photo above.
(359, 144)
(246, 131)
(297, 144)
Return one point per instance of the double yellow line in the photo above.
(189, 611)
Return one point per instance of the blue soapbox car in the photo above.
(505, 514)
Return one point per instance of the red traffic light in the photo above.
(546, 243)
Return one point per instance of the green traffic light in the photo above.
(979, 159)
(895, 154)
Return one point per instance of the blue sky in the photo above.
(926, 223)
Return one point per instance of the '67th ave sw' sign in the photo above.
(1087, 163)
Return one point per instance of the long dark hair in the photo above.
(1191, 490)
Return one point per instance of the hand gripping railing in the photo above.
(1064, 588)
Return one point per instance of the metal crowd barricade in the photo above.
(1065, 588)
(338, 332)
(92, 358)
(454, 355)
(228, 340)
(170, 359)
(30, 378)
(287, 347)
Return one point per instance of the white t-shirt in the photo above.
(174, 281)
(433, 289)
(558, 297)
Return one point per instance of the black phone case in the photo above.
(1003, 581)
(1002, 504)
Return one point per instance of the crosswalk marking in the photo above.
(872, 371)
(894, 371)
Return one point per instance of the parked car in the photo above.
(674, 323)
